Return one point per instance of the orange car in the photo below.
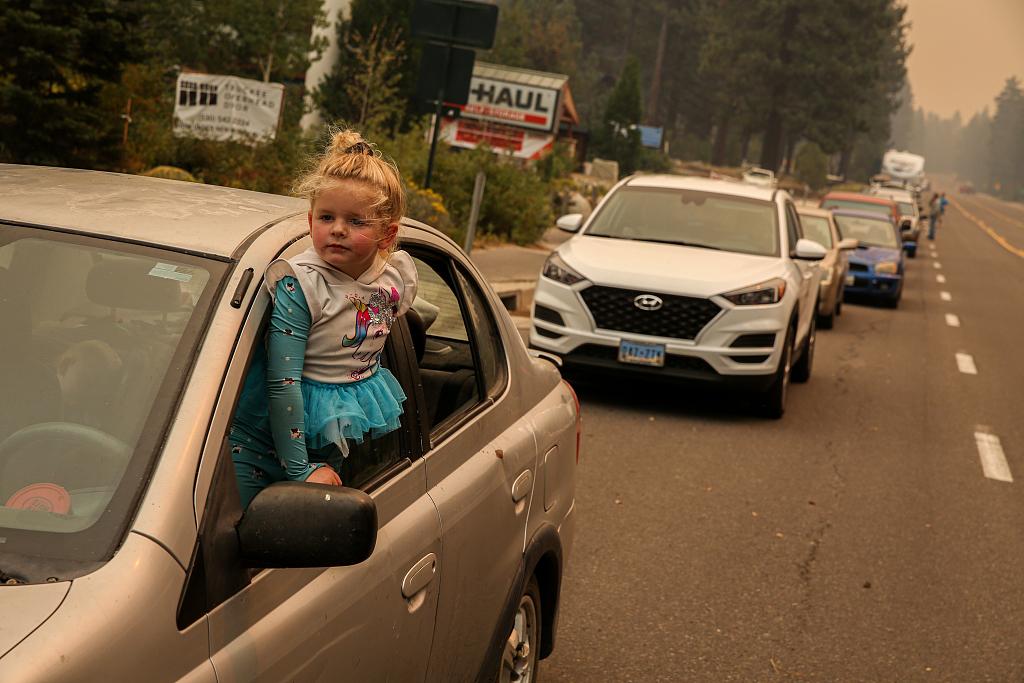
(881, 205)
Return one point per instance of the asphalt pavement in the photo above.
(873, 534)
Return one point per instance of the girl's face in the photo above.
(345, 230)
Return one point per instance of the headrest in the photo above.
(138, 284)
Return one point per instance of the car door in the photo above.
(481, 465)
(373, 621)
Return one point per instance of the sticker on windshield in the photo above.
(172, 272)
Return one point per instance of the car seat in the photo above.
(31, 390)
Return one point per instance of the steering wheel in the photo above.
(65, 453)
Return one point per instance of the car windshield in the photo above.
(96, 340)
(689, 218)
(906, 209)
(816, 228)
(873, 207)
(869, 232)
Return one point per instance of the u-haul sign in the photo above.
(519, 105)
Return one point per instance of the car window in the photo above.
(816, 228)
(867, 231)
(463, 361)
(690, 218)
(96, 341)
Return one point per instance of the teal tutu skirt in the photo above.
(339, 413)
(333, 413)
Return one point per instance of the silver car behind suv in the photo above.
(132, 308)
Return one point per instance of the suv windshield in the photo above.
(869, 232)
(689, 218)
(95, 343)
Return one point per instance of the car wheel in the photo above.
(774, 400)
(802, 368)
(826, 322)
(519, 658)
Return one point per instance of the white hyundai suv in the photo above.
(687, 278)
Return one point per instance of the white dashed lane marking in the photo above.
(945, 296)
(940, 278)
(965, 364)
(936, 265)
(993, 460)
(952, 320)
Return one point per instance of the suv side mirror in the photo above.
(296, 524)
(809, 250)
(848, 244)
(570, 222)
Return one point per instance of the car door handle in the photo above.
(522, 486)
(417, 578)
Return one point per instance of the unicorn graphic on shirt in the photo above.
(379, 310)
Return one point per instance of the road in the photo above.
(862, 538)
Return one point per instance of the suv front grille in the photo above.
(680, 317)
(858, 267)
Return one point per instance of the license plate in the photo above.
(642, 354)
(850, 279)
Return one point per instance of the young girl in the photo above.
(320, 384)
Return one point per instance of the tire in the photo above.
(826, 322)
(773, 402)
(839, 303)
(802, 368)
(520, 656)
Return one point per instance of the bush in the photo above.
(812, 166)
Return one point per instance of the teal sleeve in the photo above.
(290, 322)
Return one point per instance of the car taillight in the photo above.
(579, 419)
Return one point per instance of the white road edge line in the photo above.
(945, 296)
(993, 460)
(940, 278)
(965, 364)
(952, 320)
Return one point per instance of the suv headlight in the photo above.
(887, 267)
(555, 269)
(770, 292)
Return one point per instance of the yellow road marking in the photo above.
(986, 207)
(984, 226)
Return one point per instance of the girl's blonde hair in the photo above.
(350, 157)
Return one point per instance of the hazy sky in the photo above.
(964, 50)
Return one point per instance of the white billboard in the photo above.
(525, 106)
(226, 107)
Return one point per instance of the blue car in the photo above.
(876, 265)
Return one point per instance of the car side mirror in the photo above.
(809, 250)
(848, 244)
(570, 222)
(294, 524)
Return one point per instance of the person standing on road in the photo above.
(942, 206)
(933, 214)
(320, 386)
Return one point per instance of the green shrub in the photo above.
(812, 166)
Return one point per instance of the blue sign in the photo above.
(650, 136)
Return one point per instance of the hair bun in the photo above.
(350, 142)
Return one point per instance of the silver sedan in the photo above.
(819, 226)
(132, 308)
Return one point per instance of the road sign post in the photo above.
(452, 28)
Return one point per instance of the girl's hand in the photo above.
(324, 475)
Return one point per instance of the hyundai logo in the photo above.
(648, 302)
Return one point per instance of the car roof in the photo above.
(711, 185)
(206, 219)
(858, 197)
(861, 214)
(805, 210)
